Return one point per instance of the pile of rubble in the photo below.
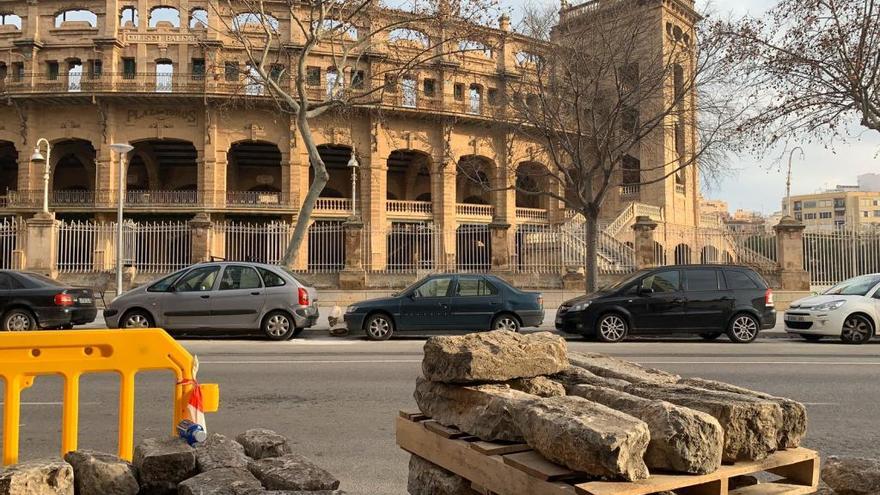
(257, 462)
(592, 413)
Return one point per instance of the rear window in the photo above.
(270, 278)
(38, 280)
(738, 280)
(475, 287)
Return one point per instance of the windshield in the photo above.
(858, 286)
(624, 281)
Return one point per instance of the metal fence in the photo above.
(473, 248)
(409, 248)
(10, 241)
(258, 242)
(150, 247)
(831, 257)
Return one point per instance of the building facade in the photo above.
(840, 209)
(208, 143)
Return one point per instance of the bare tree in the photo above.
(369, 46)
(612, 101)
(808, 69)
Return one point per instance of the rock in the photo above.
(260, 443)
(682, 440)
(585, 436)
(480, 410)
(297, 492)
(609, 367)
(106, 474)
(852, 475)
(218, 451)
(427, 478)
(45, 477)
(751, 425)
(794, 414)
(575, 375)
(493, 357)
(292, 472)
(162, 463)
(220, 481)
(539, 385)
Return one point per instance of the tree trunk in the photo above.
(591, 239)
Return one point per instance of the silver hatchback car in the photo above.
(220, 296)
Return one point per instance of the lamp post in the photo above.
(353, 165)
(38, 157)
(788, 210)
(123, 149)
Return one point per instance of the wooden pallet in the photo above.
(516, 469)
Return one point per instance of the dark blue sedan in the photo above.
(448, 302)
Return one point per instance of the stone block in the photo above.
(852, 475)
(218, 451)
(539, 385)
(427, 478)
(107, 474)
(221, 481)
(43, 477)
(260, 443)
(162, 463)
(292, 472)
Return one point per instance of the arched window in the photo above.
(76, 15)
(254, 84)
(412, 35)
(164, 76)
(339, 27)
(164, 14)
(250, 20)
(410, 90)
(473, 46)
(128, 17)
(334, 83)
(10, 20)
(198, 19)
(74, 76)
(475, 99)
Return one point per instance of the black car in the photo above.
(707, 300)
(448, 302)
(30, 301)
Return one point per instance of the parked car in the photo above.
(849, 310)
(30, 301)
(217, 297)
(707, 300)
(448, 302)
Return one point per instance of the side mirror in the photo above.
(395, 294)
(645, 291)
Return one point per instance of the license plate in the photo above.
(85, 300)
(795, 318)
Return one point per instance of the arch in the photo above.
(73, 167)
(475, 47)
(164, 13)
(10, 19)
(128, 17)
(198, 18)
(682, 254)
(168, 164)
(335, 158)
(474, 182)
(709, 254)
(659, 254)
(525, 58)
(76, 15)
(254, 167)
(408, 35)
(409, 175)
(339, 26)
(8, 167)
(532, 178)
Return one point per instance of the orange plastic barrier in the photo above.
(73, 353)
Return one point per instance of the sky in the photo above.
(759, 184)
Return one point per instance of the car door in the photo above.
(658, 305)
(708, 300)
(426, 307)
(6, 282)
(239, 300)
(188, 305)
(475, 301)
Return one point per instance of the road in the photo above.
(336, 398)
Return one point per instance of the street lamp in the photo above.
(789, 212)
(38, 157)
(123, 149)
(353, 165)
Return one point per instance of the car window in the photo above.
(163, 284)
(475, 287)
(5, 281)
(38, 280)
(858, 286)
(270, 278)
(240, 277)
(436, 287)
(198, 280)
(668, 281)
(698, 280)
(738, 280)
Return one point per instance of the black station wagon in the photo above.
(448, 302)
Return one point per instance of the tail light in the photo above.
(541, 300)
(63, 299)
(303, 297)
(768, 298)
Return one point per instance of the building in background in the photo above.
(869, 182)
(842, 208)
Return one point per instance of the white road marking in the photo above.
(820, 403)
(53, 403)
(808, 363)
(341, 361)
(411, 361)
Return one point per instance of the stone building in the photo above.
(163, 76)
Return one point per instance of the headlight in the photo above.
(351, 309)
(581, 306)
(830, 306)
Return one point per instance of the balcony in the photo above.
(421, 210)
(163, 198)
(531, 215)
(333, 207)
(476, 213)
(629, 190)
(257, 199)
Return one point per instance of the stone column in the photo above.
(41, 252)
(500, 247)
(790, 255)
(374, 192)
(445, 220)
(201, 237)
(644, 242)
(353, 276)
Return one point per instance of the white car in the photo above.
(849, 310)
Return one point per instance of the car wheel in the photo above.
(856, 330)
(278, 325)
(506, 322)
(711, 335)
(743, 329)
(19, 320)
(379, 327)
(69, 326)
(136, 318)
(811, 338)
(611, 328)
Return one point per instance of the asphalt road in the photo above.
(337, 398)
